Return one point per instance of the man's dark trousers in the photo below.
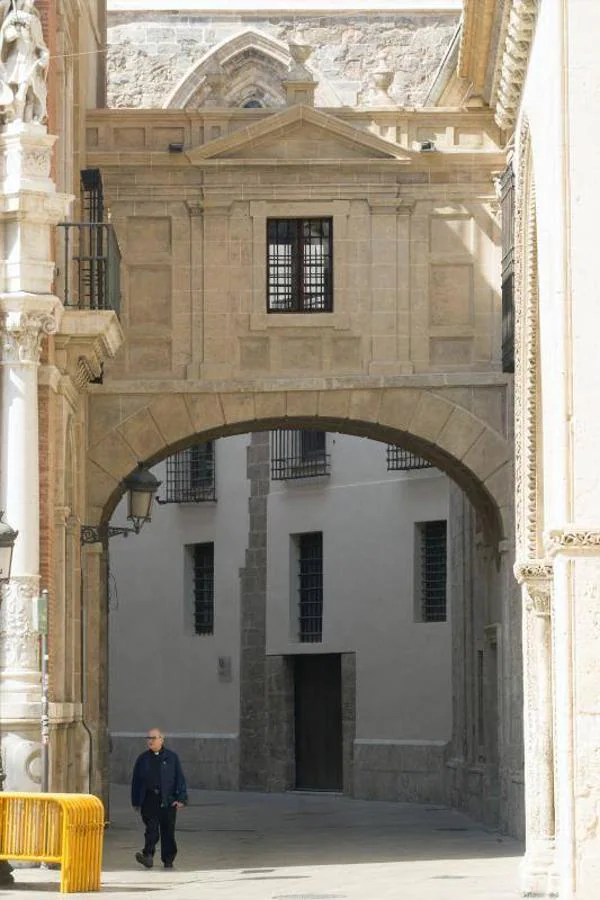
(160, 822)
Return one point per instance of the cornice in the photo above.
(571, 538)
(520, 18)
(478, 20)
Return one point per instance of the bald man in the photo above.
(158, 790)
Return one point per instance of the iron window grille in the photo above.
(298, 453)
(310, 587)
(507, 187)
(399, 459)
(191, 475)
(204, 588)
(433, 565)
(299, 265)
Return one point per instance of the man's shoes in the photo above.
(168, 865)
(144, 860)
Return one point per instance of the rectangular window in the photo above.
(401, 460)
(298, 453)
(310, 587)
(507, 200)
(299, 265)
(191, 475)
(431, 571)
(204, 588)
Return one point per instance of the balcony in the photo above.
(191, 475)
(298, 453)
(91, 266)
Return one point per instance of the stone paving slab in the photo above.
(247, 846)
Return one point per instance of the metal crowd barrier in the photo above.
(67, 829)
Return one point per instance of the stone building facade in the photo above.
(352, 55)
(383, 605)
(418, 366)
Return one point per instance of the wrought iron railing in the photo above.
(91, 274)
(399, 459)
(191, 475)
(310, 587)
(298, 453)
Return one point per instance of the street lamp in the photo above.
(141, 486)
(8, 537)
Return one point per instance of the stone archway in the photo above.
(148, 426)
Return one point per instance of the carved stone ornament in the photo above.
(521, 20)
(567, 539)
(21, 336)
(24, 59)
(535, 575)
(18, 639)
(527, 462)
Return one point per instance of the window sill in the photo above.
(335, 320)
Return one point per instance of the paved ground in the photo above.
(302, 847)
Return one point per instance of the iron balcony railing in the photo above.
(191, 475)
(298, 453)
(399, 459)
(92, 266)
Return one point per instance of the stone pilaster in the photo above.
(253, 597)
(535, 578)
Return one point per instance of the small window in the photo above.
(507, 187)
(310, 587)
(252, 104)
(299, 265)
(401, 460)
(204, 588)
(298, 453)
(191, 475)
(431, 547)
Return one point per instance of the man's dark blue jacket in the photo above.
(172, 782)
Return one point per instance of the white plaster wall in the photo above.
(161, 672)
(367, 516)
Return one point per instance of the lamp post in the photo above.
(141, 487)
(8, 537)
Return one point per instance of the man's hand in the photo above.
(177, 804)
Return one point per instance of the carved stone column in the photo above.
(535, 578)
(29, 210)
(23, 322)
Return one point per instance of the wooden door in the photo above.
(318, 719)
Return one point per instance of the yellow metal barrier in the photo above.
(55, 828)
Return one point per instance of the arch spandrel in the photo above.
(465, 447)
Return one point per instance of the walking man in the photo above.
(158, 790)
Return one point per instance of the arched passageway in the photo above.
(475, 456)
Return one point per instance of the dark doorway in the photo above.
(318, 715)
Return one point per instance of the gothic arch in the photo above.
(149, 427)
(253, 66)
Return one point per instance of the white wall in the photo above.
(161, 672)
(367, 516)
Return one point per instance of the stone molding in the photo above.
(521, 16)
(22, 334)
(85, 341)
(526, 354)
(571, 538)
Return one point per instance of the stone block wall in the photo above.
(208, 762)
(150, 52)
(398, 770)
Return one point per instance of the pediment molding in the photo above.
(223, 148)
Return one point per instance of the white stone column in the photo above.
(537, 872)
(29, 210)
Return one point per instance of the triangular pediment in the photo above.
(299, 134)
